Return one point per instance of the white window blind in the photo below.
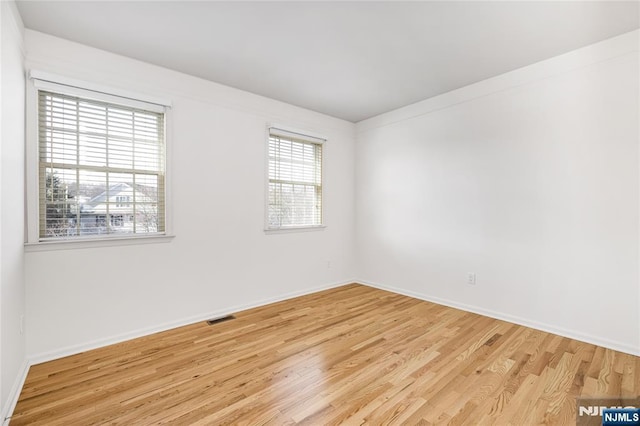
(101, 168)
(295, 180)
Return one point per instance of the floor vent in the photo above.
(219, 320)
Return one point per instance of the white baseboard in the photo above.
(71, 350)
(14, 394)
(572, 334)
(98, 343)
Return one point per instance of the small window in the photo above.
(295, 180)
(123, 201)
(101, 168)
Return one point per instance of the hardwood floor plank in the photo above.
(347, 356)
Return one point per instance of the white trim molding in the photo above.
(572, 334)
(291, 132)
(94, 344)
(14, 393)
(305, 136)
(82, 243)
(77, 87)
(40, 80)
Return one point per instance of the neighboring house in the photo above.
(123, 208)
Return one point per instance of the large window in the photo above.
(295, 180)
(101, 168)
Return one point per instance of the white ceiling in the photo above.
(351, 60)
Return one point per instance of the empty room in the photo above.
(319, 213)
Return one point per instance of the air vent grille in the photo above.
(219, 320)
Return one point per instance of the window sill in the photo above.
(93, 243)
(294, 229)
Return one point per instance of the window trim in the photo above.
(311, 137)
(80, 242)
(45, 81)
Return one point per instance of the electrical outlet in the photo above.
(471, 278)
(21, 324)
(328, 264)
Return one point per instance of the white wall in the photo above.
(221, 259)
(12, 290)
(530, 180)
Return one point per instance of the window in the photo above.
(295, 180)
(123, 201)
(101, 165)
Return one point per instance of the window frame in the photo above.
(44, 81)
(310, 137)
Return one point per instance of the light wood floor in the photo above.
(350, 355)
